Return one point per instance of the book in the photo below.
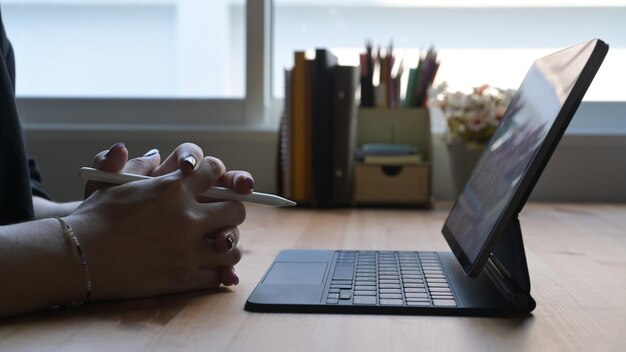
(321, 126)
(284, 142)
(345, 83)
(393, 159)
(300, 143)
(385, 149)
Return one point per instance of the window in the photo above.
(206, 63)
(128, 48)
(218, 77)
(479, 42)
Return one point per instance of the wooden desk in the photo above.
(576, 255)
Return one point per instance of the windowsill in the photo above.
(594, 118)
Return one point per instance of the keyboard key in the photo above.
(444, 302)
(414, 272)
(364, 293)
(433, 271)
(389, 282)
(390, 296)
(388, 276)
(413, 285)
(390, 290)
(413, 277)
(418, 303)
(341, 282)
(413, 281)
(365, 276)
(332, 301)
(434, 276)
(438, 289)
(345, 295)
(437, 284)
(333, 296)
(391, 302)
(414, 290)
(364, 300)
(343, 271)
(435, 280)
(389, 286)
(343, 287)
(414, 299)
(415, 295)
(365, 288)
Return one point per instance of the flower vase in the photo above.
(463, 159)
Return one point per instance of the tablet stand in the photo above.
(507, 268)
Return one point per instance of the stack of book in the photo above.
(317, 132)
(388, 154)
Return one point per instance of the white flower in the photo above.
(472, 117)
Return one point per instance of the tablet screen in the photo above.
(515, 156)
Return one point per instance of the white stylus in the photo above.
(88, 173)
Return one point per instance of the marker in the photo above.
(88, 173)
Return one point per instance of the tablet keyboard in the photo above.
(389, 278)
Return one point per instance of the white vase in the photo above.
(463, 159)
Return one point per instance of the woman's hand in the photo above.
(184, 158)
(154, 237)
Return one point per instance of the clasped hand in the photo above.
(159, 236)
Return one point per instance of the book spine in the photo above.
(300, 130)
(284, 146)
(321, 127)
(345, 83)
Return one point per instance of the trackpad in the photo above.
(291, 273)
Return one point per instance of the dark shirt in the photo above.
(19, 177)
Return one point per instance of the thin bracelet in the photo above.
(69, 232)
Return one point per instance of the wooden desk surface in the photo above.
(577, 261)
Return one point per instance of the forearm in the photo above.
(46, 209)
(39, 267)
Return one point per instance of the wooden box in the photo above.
(401, 185)
(404, 184)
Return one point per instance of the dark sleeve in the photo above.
(16, 187)
(35, 180)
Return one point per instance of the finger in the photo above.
(185, 157)
(206, 175)
(239, 181)
(112, 160)
(201, 278)
(208, 258)
(145, 164)
(219, 215)
(225, 240)
(227, 276)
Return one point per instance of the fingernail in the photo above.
(191, 160)
(151, 152)
(116, 145)
(249, 182)
(231, 241)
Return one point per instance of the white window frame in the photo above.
(249, 112)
